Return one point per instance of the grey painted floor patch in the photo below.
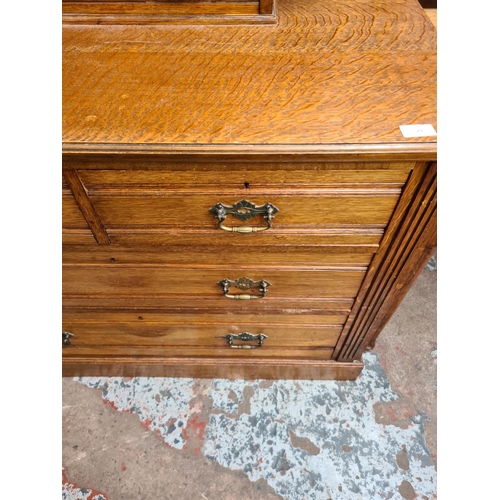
(310, 440)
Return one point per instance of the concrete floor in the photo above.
(165, 438)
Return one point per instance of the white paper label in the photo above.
(423, 130)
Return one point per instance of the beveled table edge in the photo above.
(423, 151)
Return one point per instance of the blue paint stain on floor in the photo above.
(314, 440)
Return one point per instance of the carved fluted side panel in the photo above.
(406, 248)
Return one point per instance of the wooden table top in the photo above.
(330, 75)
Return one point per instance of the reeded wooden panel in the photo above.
(197, 335)
(407, 247)
(192, 210)
(122, 281)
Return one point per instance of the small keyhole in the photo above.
(112, 259)
(246, 185)
(140, 317)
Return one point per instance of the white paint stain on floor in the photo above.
(71, 491)
(310, 440)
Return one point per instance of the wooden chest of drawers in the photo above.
(239, 201)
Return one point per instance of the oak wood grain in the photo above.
(412, 253)
(192, 211)
(171, 17)
(160, 8)
(76, 236)
(328, 73)
(191, 283)
(415, 217)
(417, 259)
(151, 3)
(157, 120)
(143, 306)
(260, 317)
(241, 257)
(317, 153)
(194, 334)
(86, 207)
(248, 177)
(215, 352)
(266, 6)
(72, 217)
(109, 12)
(303, 369)
(364, 239)
(245, 157)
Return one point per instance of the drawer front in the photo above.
(192, 333)
(131, 282)
(192, 210)
(79, 317)
(182, 199)
(155, 291)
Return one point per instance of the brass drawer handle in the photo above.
(66, 337)
(244, 284)
(245, 336)
(244, 210)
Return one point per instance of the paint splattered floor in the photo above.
(165, 438)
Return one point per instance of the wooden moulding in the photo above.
(114, 155)
(256, 257)
(87, 209)
(243, 176)
(296, 369)
(164, 12)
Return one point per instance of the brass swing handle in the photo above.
(245, 336)
(244, 284)
(244, 210)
